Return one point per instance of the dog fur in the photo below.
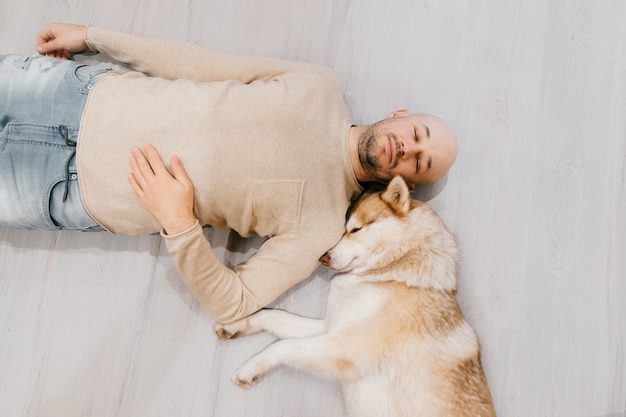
(394, 333)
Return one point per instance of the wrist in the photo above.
(178, 226)
(88, 45)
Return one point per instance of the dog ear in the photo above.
(397, 195)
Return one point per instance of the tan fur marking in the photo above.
(345, 366)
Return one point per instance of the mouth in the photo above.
(391, 150)
(338, 266)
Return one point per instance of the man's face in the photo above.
(419, 147)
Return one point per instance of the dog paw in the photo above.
(231, 330)
(222, 332)
(245, 379)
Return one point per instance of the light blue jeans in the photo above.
(41, 104)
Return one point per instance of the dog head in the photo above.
(390, 236)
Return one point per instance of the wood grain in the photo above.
(101, 325)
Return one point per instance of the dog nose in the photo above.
(325, 259)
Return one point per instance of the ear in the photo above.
(397, 195)
(397, 113)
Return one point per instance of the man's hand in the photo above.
(61, 40)
(168, 197)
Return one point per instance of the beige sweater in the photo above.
(265, 142)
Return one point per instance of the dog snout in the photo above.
(325, 259)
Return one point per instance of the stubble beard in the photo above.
(368, 156)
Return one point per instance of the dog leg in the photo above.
(279, 322)
(320, 355)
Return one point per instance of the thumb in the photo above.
(49, 46)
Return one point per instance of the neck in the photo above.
(353, 144)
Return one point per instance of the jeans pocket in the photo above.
(33, 176)
(87, 75)
(69, 214)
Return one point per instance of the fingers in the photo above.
(148, 164)
(179, 172)
(155, 163)
(48, 44)
(61, 40)
(51, 48)
(169, 198)
(46, 35)
(135, 185)
(140, 167)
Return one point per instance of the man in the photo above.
(267, 147)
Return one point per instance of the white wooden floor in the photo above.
(100, 325)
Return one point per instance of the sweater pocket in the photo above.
(280, 199)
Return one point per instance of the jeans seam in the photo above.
(45, 203)
(50, 128)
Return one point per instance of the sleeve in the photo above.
(174, 60)
(229, 294)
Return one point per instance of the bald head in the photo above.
(419, 147)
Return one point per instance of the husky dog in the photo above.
(394, 334)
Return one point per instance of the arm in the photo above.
(226, 294)
(230, 294)
(173, 60)
(161, 58)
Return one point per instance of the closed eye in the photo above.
(363, 225)
(418, 156)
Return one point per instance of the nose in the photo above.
(325, 259)
(408, 149)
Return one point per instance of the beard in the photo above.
(370, 152)
(367, 146)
